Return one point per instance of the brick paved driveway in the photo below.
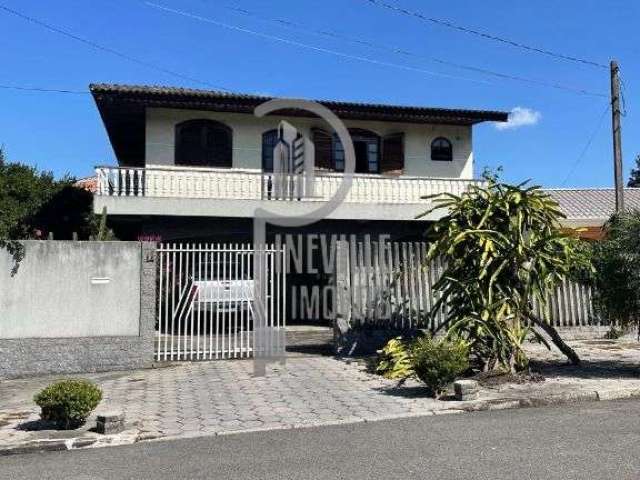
(223, 396)
(217, 397)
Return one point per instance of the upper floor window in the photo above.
(441, 149)
(203, 143)
(269, 142)
(366, 145)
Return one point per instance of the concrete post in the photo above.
(148, 298)
(342, 320)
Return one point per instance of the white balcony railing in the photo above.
(178, 182)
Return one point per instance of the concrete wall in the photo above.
(77, 306)
(248, 130)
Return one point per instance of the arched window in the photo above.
(269, 141)
(203, 143)
(441, 149)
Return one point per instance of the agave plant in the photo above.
(503, 247)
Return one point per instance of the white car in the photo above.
(222, 295)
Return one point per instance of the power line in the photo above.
(306, 45)
(361, 58)
(587, 145)
(106, 49)
(45, 90)
(406, 53)
(487, 36)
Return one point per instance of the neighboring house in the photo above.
(588, 209)
(90, 184)
(194, 165)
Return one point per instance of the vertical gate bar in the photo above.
(209, 310)
(271, 286)
(393, 299)
(224, 276)
(434, 319)
(386, 281)
(366, 252)
(418, 249)
(249, 293)
(160, 309)
(398, 284)
(580, 304)
(375, 280)
(165, 273)
(173, 295)
(284, 287)
(188, 285)
(206, 326)
(278, 289)
(229, 280)
(380, 279)
(353, 274)
(362, 284)
(241, 300)
(250, 324)
(167, 267)
(405, 284)
(230, 315)
(235, 302)
(179, 301)
(196, 300)
(191, 297)
(217, 300)
(413, 275)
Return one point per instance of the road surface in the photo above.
(599, 440)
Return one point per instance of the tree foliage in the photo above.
(34, 204)
(503, 246)
(616, 259)
(634, 177)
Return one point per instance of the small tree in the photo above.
(634, 177)
(503, 247)
(34, 203)
(617, 271)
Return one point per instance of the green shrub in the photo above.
(437, 363)
(68, 403)
(394, 360)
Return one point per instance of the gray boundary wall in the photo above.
(61, 343)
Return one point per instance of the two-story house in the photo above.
(193, 164)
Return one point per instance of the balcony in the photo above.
(237, 193)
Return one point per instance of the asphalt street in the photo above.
(598, 440)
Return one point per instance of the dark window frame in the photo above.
(216, 155)
(441, 153)
(267, 148)
(371, 139)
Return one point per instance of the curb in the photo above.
(55, 445)
(48, 445)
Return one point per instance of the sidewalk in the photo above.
(222, 397)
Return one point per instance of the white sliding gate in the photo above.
(206, 304)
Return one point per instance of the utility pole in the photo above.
(617, 136)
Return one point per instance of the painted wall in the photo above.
(53, 319)
(248, 130)
(71, 289)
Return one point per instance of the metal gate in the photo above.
(206, 304)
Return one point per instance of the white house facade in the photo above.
(195, 160)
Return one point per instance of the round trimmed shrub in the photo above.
(437, 363)
(68, 403)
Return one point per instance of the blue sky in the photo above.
(64, 133)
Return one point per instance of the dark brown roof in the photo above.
(237, 102)
(122, 109)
